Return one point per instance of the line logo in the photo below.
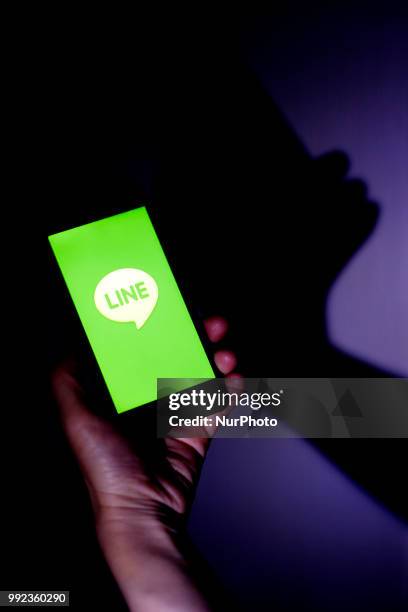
(127, 295)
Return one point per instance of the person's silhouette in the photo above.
(289, 225)
(204, 137)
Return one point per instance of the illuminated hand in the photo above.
(140, 499)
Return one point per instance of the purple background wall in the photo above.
(281, 524)
(277, 520)
(340, 77)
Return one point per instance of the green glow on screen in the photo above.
(130, 306)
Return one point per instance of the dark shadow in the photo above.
(262, 232)
(255, 228)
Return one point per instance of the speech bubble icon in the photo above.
(126, 295)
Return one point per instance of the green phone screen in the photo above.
(130, 306)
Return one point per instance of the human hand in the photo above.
(140, 494)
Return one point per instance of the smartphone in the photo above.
(130, 306)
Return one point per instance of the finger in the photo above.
(234, 382)
(225, 361)
(199, 437)
(86, 432)
(68, 394)
(216, 328)
(186, 454)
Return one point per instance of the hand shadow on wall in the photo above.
(254, 228)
